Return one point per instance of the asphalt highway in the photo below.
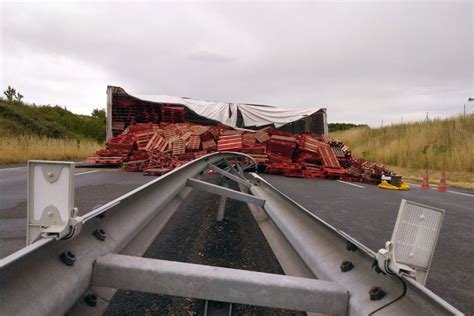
(362, 211)
(368, 214)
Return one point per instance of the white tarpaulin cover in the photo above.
(226, 113)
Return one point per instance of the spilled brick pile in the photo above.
(156, 149)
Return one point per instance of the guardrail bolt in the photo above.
(376, 267)
(91, 299)
(68, 258)
(346, 266)
(376, 293)
(351, 247)
(100, 234)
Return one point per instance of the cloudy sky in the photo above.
(364, 61)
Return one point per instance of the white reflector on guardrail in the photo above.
(413, 241)
(50, 199)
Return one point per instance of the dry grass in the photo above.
(23, 148)
(436, 145)
(458, 179)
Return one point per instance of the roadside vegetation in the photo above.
(436, 145)
(46, 132)
(335, 127)
(18, 149)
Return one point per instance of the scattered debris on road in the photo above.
(156, 149)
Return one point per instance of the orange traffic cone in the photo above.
(442, 183)
(425, 184)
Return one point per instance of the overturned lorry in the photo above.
(156, 134)
(124, 110)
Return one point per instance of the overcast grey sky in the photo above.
(364, 61)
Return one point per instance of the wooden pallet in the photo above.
(179, 147)
(194, 143)
(248, 139)
(262, 136)
(209, 144)
(328, 157)
(172, 114)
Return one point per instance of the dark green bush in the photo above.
(51, 121)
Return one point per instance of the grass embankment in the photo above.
(46, 133)
(20, 149)
(410, 148)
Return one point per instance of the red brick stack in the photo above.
(287, 169)
(159, 148)
(281, 147)
(230, 141)
(121, 142)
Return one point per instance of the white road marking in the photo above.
(16, 168)
(86, 172)
(433, 187)
(466, 194)
(349, 183)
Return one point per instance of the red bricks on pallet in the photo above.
(276, 167)
(248, 140)
(312, 174)
(310, 144)
(309, 157)
(281, 148)
(260, 149)
(207, 135)
(260, 158)
(230, 142)
(109, 160)
(209, 144)
(198, 154)
(121, 142)
(138, 155)
(134, 166)
(112, 152)
(333, 172)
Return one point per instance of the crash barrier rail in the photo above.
(327, 271)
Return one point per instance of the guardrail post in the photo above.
(222, 203)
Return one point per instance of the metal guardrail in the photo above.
(37, 282)
(324, 250)
(220, 284)
(72, 276)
